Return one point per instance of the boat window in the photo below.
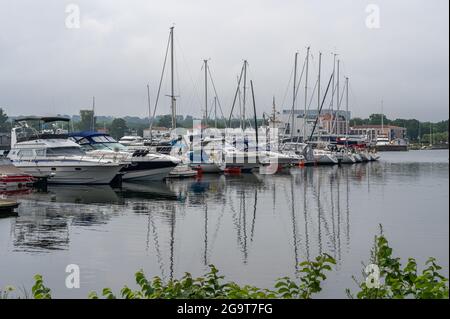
(111, 139)
(83, 141)
(26, 153)
(100, 139)
(65, 151)
(40, 152)
(109, 146)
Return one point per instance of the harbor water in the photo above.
(253, 228)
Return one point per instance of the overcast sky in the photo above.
(47, 68)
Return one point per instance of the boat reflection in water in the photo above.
(313, 204)
(253, 227)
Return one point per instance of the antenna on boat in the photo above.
(93, 113)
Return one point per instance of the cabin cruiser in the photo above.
(46, 152)
(140, 163)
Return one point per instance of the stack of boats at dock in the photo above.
(43, 147)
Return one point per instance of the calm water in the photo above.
(253, 228)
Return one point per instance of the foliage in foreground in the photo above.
(399, 282)
(392, 281)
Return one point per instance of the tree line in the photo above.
(417, 131)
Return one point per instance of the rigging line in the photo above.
(215, 92)
(296, 93)
(178, 80)
(160, 84)
(338, 110)
(320, 109)
(235, 95)
(191, 98)
(196, 93)
(312, 94)
(288, 86)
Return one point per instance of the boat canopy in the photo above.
(45, 119)
(91, 137)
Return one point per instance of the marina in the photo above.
(253, 227)
(211, 152)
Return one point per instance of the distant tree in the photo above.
(4, 126)
(375, 119)
(165, 121)
(118, 128)
(86, 121)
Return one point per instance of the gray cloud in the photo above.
(46, 68)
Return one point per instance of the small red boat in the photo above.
(12, 177)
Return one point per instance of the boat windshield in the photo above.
(65, 151)
(108, 147)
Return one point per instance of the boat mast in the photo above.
(346, 110)
(306, 94)
(334, 75)
(244, 89)
(215, 111)
(149, 110)
(336, 117)
(172, 91)
(382, 119)
(254, 115)
(318, 86)
(294, 95)
(206, 91)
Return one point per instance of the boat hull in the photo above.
(72, 174)
(147, 170)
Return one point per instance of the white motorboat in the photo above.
(141, 164)
(132, 140)
(49, 154)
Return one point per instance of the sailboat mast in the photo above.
(306, 94)
(318, 84)
(294, 95)
(172, 92)
(206, 91)
(346, 110)
(336, 117)
(215, 111)
(243, 101)
(334, 75)
(149, 108)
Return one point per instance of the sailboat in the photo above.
(182, 170)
